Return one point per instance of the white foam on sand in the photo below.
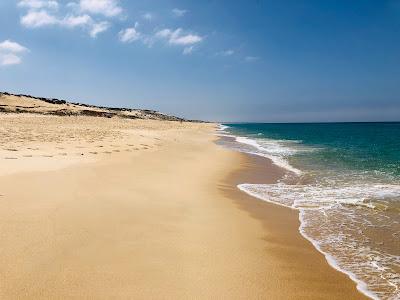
(316, 197)
(319, 202)
(307, 198)
(275, 151)
(222, 127)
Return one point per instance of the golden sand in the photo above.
(160, 218)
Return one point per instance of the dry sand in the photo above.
(159, 219)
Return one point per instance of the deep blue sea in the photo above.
(344, 179)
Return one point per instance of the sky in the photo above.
(217, 60)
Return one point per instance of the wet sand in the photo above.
(303, 272)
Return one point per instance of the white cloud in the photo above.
(177, 37)
(186, 39)
(75, 21)
(97, 28)
(37, 4)
(251, 58)
(40, 18)
(129, 35)
(179, 12)
(37, 16)
(164, 33)
(108, 8)
(13, 47)
(9, 59)
(10, 53)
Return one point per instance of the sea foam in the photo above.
(329, 221)
(272, 150)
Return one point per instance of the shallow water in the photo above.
(345, 181)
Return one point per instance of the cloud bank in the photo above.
(108, 8)
(90, 15)
(97, 16)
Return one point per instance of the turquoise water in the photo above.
(344, 178)
(352, 146)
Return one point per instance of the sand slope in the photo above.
(11, 103)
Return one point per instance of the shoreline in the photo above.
(264, 191)
(329, 281)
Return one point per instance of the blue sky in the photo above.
(272, 61)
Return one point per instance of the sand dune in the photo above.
(50, 106)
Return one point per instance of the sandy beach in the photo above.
(97, 208)
(199, 150)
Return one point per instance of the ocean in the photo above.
(344, 179)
